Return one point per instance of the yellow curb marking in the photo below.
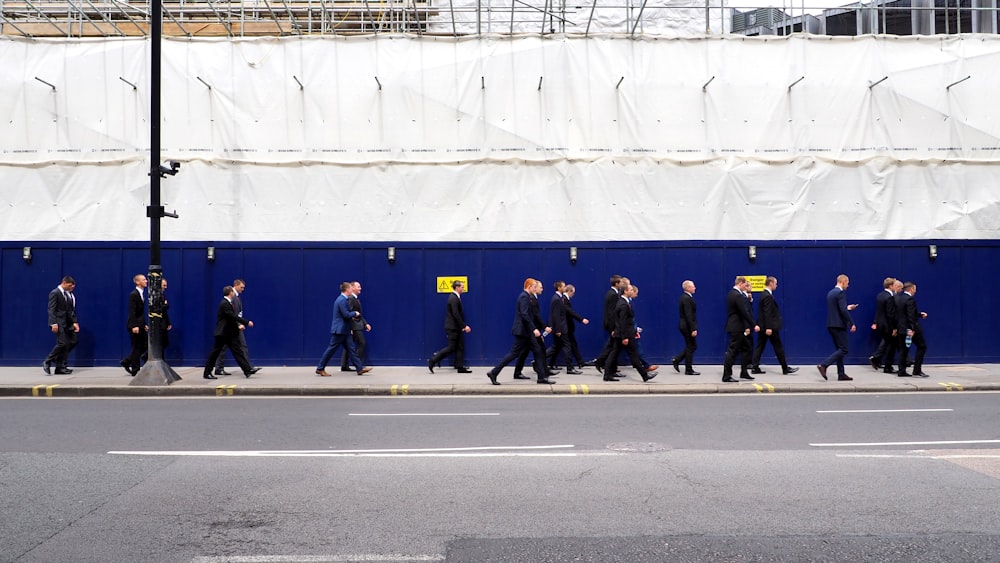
(38, 388)
(583, 389)
(760, 387)
(951, 386)
(221, 390)
(399, 390)
(770, 388)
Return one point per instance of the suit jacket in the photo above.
(837, 315)
(885, 311)
(557, 314)
(136, 310)
(906, 310)
(342, 316)
(524, 315)
(768, 314)
(358, 322)
(688, 312)
(610, 302)
(571, 316)
(738, 316)
(237, 303)
(624, 319)
(454, 315)
(227, 322)
(61, 309)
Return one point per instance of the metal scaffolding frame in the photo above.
(245, 18)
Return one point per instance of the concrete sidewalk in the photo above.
(408, 380)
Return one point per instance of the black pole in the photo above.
(156, 371)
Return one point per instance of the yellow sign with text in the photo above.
(756, 283)
(444, 283)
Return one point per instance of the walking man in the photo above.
(455, 329)
(688, 326)
(239, 286)
(559, 320)
(838, 323)
(909, 327)
(572, 317)
(626, 336)
(340, 334)
(62, 323)
(769, 321)
(739, 323)
(527, 334)
(137, 326)
(359, 326)
(228, 326)
(886, 324)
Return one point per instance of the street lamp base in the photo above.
(155, 373)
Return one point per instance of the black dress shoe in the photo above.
(46, 368)
(874, 362)
(554, 369)
(730, 380)
(611, 379)
(789, 371)
(520, 376)
(889, 370)
(573, 371)
(222, 372)
(676, 362)
(599, 367)
(430, 365)
(844, 377)
(252, 371)
(915, 374)
(902, 373)
(125, 364)
(63, 371)
(647, 376)
(757, 371)
(209, 376)
(822, 370)
(462, 370)
(545, 381)
(342, 368)
(691, 372)
(746, 376)
(493, 377)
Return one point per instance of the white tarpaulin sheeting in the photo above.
(506, 139)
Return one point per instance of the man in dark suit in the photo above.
(527, 334)
(688, 326)
(165, 326)
(626, 335)
(455, 329)
(739, 324)
(359, 326)
(885, 325)
(909, 326)
(608, 320)
(239, 286)
(62, 323)
(572, 317)
(340, 334)
(136, 325)
(559, 320)
(770, 323)
(838, 323)
(227, 333)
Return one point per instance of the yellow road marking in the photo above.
(760, 387)
(579, 389)
(37, 389)
(399, 390)
(951, 386)
(770, 388)
(221, 390)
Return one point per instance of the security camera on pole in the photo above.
(156, 371)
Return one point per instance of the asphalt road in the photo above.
(896, 477)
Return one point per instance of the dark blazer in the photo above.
(454, 315)
(885, 311)
(837, 315)
(906, 310)
(624, 319)
(610, 302)
(557, 314)
(227, 323)
(738, 316)
(688, 311)
(61, 310)
(524, 315)
(571, 316)
(358, 322)
(136, 310)
(342, 315)
(768, 314)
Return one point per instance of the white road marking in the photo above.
(886, 410)
(875, 444)
(481, 451)
(389, 558)
(426, 414)
(916, 456)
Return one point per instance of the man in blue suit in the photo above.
(838, 322)
(340, 334)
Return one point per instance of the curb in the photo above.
(70, 391)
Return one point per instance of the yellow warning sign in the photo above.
(444, 283)
(756, 283)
